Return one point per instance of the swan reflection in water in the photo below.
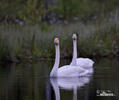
(68, 84)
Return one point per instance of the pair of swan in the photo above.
(68, 84)
(78, 67)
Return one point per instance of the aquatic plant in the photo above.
(99, 38)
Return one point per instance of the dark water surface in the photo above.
(30, 81)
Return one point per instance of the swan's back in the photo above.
(84, 62)
(67, 71)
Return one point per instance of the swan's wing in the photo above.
(90, 70)
(73, 71)
(84, 62)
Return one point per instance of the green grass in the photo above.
(95, 38)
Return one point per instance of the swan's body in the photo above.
(84, 63)
(73, 71)
(67, 70)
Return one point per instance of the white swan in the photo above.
(85, 63)
(68, 84)
(65, 71)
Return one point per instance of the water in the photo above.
(30, 81)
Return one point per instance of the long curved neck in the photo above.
(74, 52)
(57, 60)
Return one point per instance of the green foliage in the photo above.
(67, 8)
(31, 11)
(99, 36)
(4, 50)
(95, 39)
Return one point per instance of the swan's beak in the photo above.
(56, 41)
(74, 37)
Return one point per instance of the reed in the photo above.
(99, 38)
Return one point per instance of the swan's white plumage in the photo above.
(73, 71)
(67, 70)
(84, 63)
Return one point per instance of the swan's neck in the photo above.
(57, 60)
(74, 52)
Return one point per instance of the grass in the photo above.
(95, 38)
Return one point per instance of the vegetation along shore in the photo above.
(94, 39)
(28, 32)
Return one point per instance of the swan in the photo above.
(64, 71)
(84, 63)
(68, 84)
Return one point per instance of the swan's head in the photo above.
(74, 37)
(56, 41)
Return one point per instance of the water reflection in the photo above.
(68, 84)
(29, 81)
